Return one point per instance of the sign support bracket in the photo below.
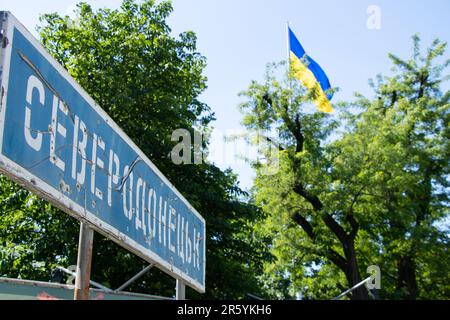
(135, 277)
(84, 261)
(180, 290)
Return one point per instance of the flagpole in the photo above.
(288, 47)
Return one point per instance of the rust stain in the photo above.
(45, 296)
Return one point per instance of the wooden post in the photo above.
(83, 273)
(180, 290)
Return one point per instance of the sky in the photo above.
(350, 39)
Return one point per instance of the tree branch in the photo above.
(312, 199)
(337, 259)
(306, 226)
(353, 224)
(294, 127)
(422, 85)
(331, 254)
(280, 147)
(327, 218)
(300, 139)
(350, 217)
(394, 98)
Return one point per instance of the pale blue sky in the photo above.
(239, 37)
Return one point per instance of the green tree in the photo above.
(375, 192)
(403, 137)
(148, 81)
(302, 195)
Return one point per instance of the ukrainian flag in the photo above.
(312, 76)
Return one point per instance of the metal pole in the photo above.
(84, 261)
(288, 45)
(92, 282)
(135, 277)
(181, 290)
(351, 289)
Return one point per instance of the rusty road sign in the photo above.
(57, 142)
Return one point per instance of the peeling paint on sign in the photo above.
(56, 141)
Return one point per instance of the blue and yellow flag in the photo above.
(309, 72)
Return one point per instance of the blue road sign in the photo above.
(56, 141)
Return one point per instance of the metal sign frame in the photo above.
(8, 25)
(20, 289)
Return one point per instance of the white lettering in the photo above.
(181, 245)
(112, 177)
(57, 127)
(140, 185)
(96, 162)
(128, 212)
(188, 254)
(196, 249)
(79, 147)
(178, 233)
(172, 217)
(152, 199)
(33, 83)
(162, 220)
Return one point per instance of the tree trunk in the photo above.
(348, 264)
(352, 272)
(406, 281)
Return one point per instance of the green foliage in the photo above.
(148, 81)
(405, 147)
(31, 239)
(381, 175)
